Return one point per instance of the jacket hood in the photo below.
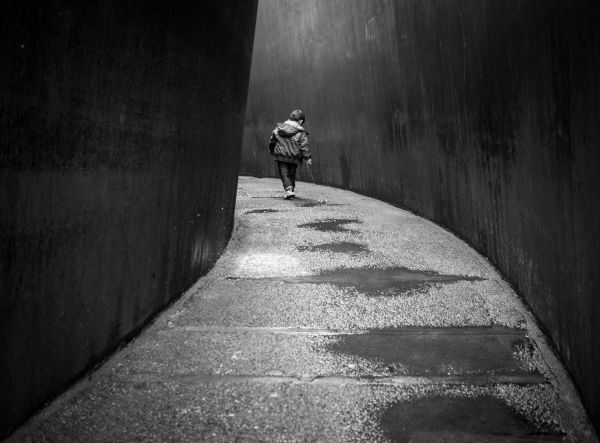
(289, 128)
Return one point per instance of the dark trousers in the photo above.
(287, 172)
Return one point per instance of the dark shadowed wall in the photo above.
(121, 126)
(481, 115)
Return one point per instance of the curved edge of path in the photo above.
(330, 317)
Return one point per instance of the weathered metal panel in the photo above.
(121, 132)
(480, 115)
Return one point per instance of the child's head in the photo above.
(297, 116)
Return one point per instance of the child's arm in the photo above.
(303, 145)
(272, 142)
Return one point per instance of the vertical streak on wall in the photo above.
(480, 115)
(121, 132)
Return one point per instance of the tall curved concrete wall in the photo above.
(480, 115)
(121, 131)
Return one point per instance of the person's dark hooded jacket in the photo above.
(289, 143)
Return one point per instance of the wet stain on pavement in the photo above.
(439, 351)
(261, 211)
(376, 281)
(340, 247)
(310, 203)
(454, 419)
(331, 225)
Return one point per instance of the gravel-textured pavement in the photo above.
(332, 317)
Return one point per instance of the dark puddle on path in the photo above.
(261, 211)
(299, 201)
(460, 419)
(331, 225)
(379, 280)
(311, 203)
(441, 351)
(340, 247)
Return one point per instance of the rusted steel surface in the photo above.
(121, 131)
(479, 115)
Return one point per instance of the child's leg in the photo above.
(284, 174)
(292, 168)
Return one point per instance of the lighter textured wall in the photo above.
(121, 127)
(480, 115)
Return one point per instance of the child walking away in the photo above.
(289, 146)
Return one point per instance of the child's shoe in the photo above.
(289, 193)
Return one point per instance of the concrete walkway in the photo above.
(332, 317)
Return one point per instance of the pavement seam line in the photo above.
(398, 380)
(401, 331)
